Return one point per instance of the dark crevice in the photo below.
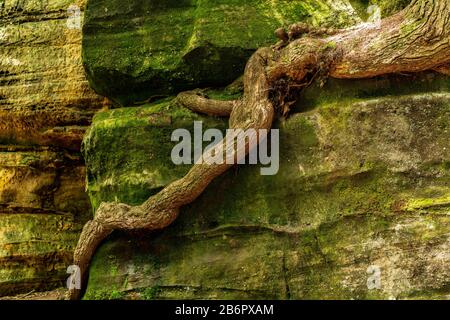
(286, 280)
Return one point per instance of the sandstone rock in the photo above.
(45, 98)
(42, 209)
(45, 107)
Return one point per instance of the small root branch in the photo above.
(196, 102)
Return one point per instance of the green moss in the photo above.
(345, 92)
(437, 201)
(331, 45)
(128, 161)
(116, 295)
(150, 293)
(105, 295)
(407, 28)
(389, 7)
(361, 7)
(35, 247)
(144, 48)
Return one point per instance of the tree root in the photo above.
(363, 51)
(196, 102)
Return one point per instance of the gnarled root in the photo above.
(195, 101)
(151, 215)
(93, 233)
(159, 211)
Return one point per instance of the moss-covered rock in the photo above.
(363, 186)
(389, 7)
(42, 210)
(138, 49)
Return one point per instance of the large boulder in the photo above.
(137, 49)
(359, 208)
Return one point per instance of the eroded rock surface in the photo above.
(45, 107)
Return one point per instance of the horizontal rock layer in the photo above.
(45, 98)
(45, 107)
(363, 190)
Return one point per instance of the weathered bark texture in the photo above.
(413, 40)
(198, 103)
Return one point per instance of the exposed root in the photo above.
(159, 211)
(92, 235)
(196, 102)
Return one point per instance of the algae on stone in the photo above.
(136, 163)
(42, 210)
(139, 49)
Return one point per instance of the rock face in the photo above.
(45, 107)
(139, 49)
(359, 209)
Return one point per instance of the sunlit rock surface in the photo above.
(45, 107)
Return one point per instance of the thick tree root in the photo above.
(254, 112)
(93, 233)
(416, 39)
